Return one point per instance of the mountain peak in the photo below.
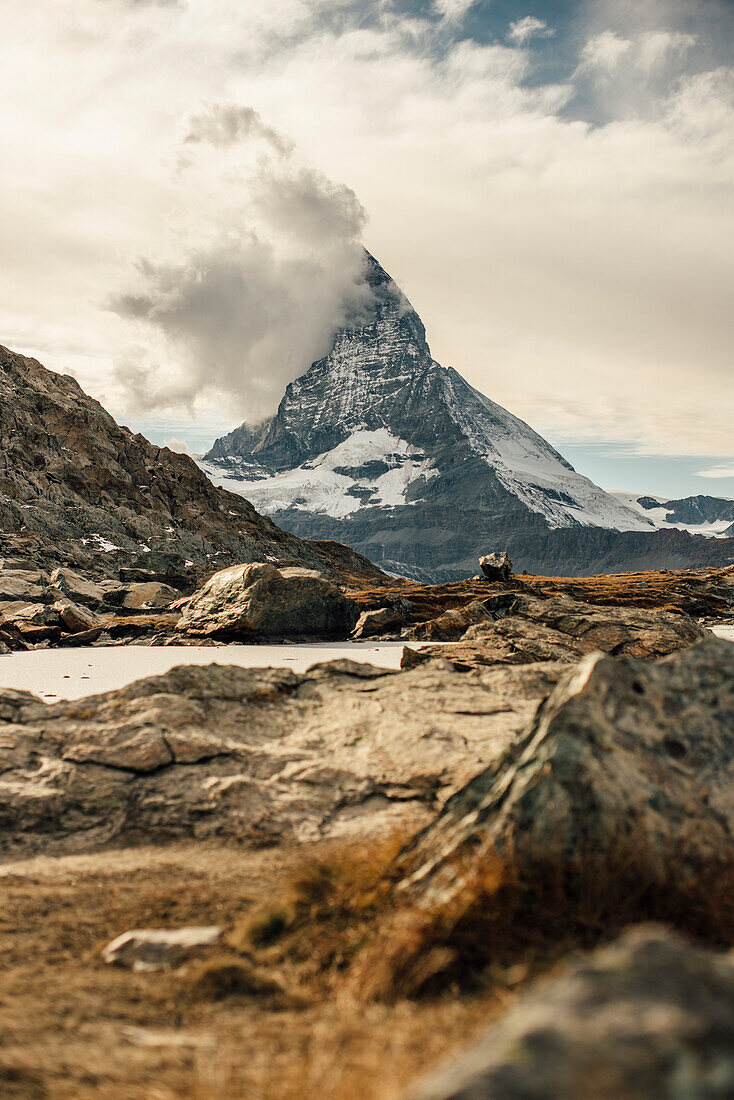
(379, 446)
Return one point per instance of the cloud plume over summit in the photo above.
(557, 206)
(254, 278)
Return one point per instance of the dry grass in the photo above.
(328, 909)
(509, 915)
(345, 926)
(693, 591)
(342, 1051)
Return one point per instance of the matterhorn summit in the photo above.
(379, 446)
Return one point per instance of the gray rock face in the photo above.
(496, 567)
(75, 619)
(260, 600)
(255, 754)
(78, 489)
(379, 446)
(159, 948)
(650, 1017)
(620, 749)
(26, 586)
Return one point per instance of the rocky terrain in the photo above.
(380, 447)
(648, 1016)
(255, 755)
(250, 882)
(225, 882)
(79, 490)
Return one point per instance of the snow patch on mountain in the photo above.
(368, 469)
(658, 517)
(530, 468)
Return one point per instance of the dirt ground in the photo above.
(72, 1028)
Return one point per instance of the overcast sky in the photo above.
(185, 186)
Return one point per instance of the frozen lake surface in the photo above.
(74, 673)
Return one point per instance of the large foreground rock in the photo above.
(260, 600)
(254, 754)
(623, 751)
(649, 1018)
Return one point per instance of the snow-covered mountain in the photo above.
(381, 447)
(701, 515)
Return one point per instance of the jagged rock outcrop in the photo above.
(621, 751)
(381, 447)
(258, 600)
(253, 754)
(78, 489)
(650, 1016)
(517, 628)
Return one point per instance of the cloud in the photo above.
(717, 472)
(453, 9)
(566, 242)
(605, 51)
(529, 27)
(250, 293)
(224, 124)
(178, 445)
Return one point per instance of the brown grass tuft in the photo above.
(344, 918)
(329, 907)
(525, 917)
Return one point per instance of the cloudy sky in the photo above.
(185, 186)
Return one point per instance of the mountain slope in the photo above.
(381, 447)
(77, 487)
(701, 515)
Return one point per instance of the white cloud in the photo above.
(577, 273)
(453, 9)
(253, 277)
(178, 445)
(659, 47)
(717, 472)
(529, 27)
(605, 51)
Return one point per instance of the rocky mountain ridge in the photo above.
(700, 514)
(77, 488)
(381, 447)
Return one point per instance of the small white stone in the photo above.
(158, 948)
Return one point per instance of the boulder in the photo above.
(496, 566)
(259, 600)
(27, 586)
(381, 621)
(75, 619)
(149, 595)
(159, 948)
(622, 751)
(26, 615)
(452, 624)
(345, 749)
(651, 1016)
(77, 588)
(556, 629)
